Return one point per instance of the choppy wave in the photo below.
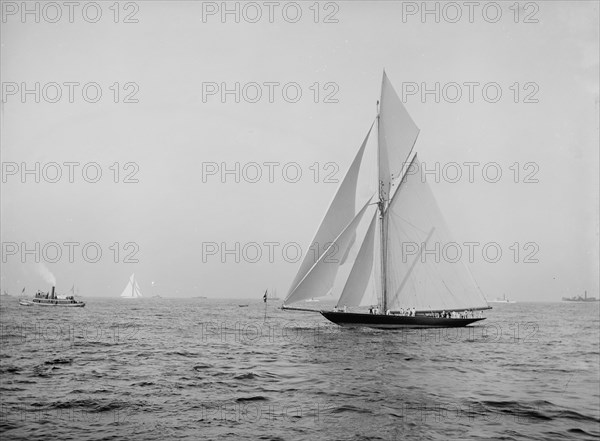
(184, 369)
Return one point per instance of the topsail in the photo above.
(397, 135)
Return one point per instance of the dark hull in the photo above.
(381, 321)
(52, 303)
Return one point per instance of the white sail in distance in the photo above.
(132, 290)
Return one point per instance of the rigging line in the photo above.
(399, 230)
(454, 296)
(407, 166)
(412, 267)
(451, 293)
(414, 226)
(437, 270)
(470, 273)
(442, 271)
(396, 216)
(323, 255)
(470, 278)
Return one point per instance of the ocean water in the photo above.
(159, 369)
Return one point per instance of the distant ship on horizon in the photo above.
(502, 300)
(51, 299)
(585, 298)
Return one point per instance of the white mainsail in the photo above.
(405, 273)
(132, 290)
(425, 270)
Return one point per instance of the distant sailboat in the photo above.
(437, 294)
(132, 290)
(75, 291)
(502, 300)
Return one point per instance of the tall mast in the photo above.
(382, 235)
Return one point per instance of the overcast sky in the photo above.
(172, 58)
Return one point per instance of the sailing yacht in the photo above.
(132, 290)
(410, 291)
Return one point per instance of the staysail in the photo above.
(340, 213)
(320, 278)
(356, 284)
(132, 290)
